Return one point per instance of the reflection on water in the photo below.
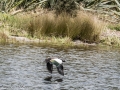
(23, 68)
(48, 78)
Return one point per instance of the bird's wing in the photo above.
(60, 69)
(50, 67)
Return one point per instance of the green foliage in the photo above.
(59, 5)
(114, 26)
(109, 7)
(63, 4)
(14, 24)
(106, 7)
(7, 5)
(111, 40)
(68, 6)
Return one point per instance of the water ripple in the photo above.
(22, 67)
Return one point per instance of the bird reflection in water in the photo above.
(49, 78)
(59, 80)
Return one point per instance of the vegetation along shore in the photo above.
(60, 22)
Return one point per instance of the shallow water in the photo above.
(22, 67)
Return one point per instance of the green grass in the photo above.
(15, 25)
(114, 26)
(111, 41)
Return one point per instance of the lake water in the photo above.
(22, 67)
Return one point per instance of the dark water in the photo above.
(23, 68)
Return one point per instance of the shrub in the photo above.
(68, 6)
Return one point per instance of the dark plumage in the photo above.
(55, 61)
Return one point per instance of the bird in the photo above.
(57, 62)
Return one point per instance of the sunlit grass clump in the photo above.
(84, 27)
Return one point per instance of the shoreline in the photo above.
(106, 35)
(27, 40)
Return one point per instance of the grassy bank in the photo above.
(52, 29)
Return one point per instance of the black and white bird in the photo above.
(57, 62)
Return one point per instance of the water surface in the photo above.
(22, 67)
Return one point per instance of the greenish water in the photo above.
(22, 67)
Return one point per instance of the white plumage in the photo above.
(57, 60)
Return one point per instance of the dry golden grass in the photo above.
(84, 27)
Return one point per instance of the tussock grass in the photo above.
(90, 28)
(84, 27)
